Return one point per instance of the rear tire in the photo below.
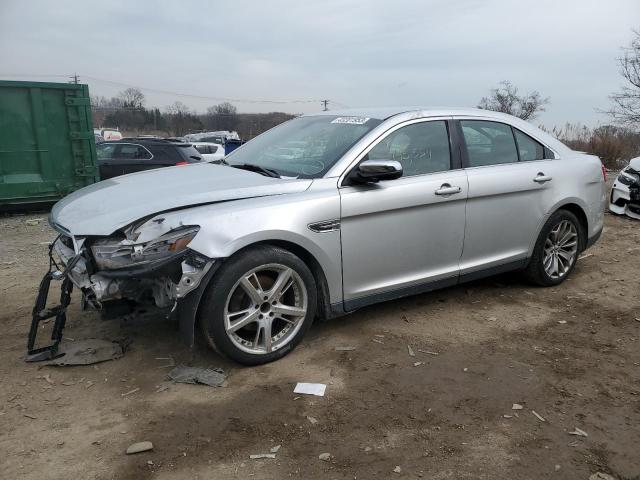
(259, 305)
(556, 251)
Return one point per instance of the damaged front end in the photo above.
(625, 193)
(146, 264)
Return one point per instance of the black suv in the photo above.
(136, 154)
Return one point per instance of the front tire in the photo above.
(259, 305)
(556, 251)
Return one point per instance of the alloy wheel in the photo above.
(265, 308)
(560, 249)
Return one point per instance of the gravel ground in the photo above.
(568, 353)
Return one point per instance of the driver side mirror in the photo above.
(371, 171)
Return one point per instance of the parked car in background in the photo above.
(211, 152)
(371, 205)
(131, 155)
(108, 133)
(625, 193)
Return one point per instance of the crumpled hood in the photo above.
(635, 164)
(104, 207)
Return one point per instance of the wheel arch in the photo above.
(573, 205)
(324, 303)
(581, 215)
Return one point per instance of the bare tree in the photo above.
(181, 119)
(222, 117)
(505, 99)
(626, 103)
(225, 108)
(132, 98)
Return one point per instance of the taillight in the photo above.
(604, 173)
(180, 164)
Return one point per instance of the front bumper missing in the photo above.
(177, 283)
(41, 313)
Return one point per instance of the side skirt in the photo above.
(356, 303)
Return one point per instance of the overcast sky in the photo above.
(358, 53)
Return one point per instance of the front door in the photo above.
(404, 236)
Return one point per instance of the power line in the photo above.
(204, 97)
(76, 79)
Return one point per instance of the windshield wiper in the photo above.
(256, 168)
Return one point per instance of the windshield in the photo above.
(305, 147)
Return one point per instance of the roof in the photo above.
(409, 113)
(382, 113)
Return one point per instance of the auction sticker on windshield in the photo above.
(351, 120)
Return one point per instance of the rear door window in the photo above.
(128, 151)
(528, 148)
(488, 143)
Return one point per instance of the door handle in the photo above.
(446, 189)
(542, 178)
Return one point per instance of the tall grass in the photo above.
(614, 145)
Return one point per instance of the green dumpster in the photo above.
(47, 147)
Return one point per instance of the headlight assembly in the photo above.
(112, 253)
(630, 175)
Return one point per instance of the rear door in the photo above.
(511, 181)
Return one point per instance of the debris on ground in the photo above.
(397, 469)
(410, 351)
(601, 476)
(417, 364)
(345, 349)
(316, 389)
(578, 432)
(428, 352)
(538, 416)
(275, 449)
(32, 417)
(130, 392)
(198, 375)
(33, 221)
(171, 363)
(312, 420)
(258, 456)
(517, 406)
(139, 447)
(325, 457)
(86, 352)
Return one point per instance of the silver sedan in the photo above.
(327, 213)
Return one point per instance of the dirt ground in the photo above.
(569, 353)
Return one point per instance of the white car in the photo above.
(625, 193)
(211, 152)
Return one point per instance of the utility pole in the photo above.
(74, 79)
(325, 103)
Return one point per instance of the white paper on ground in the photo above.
(316, 389)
